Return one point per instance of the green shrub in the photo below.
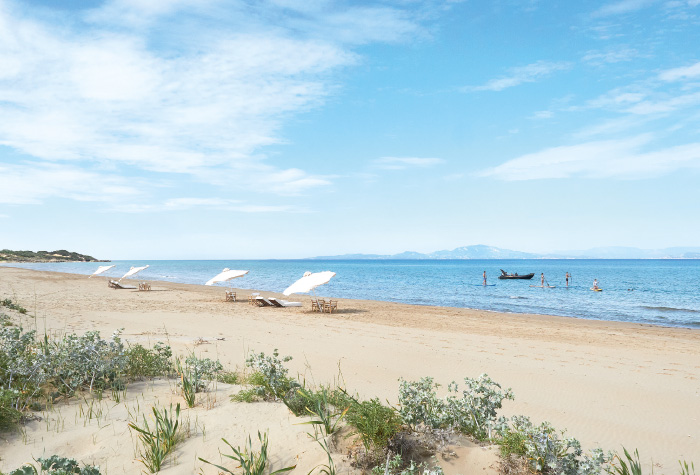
(547, 451)
(148, 363)
(9, 416)
(474, 413)
(56, 465)
(375, 423)
(270, 378)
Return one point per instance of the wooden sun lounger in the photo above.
(283, 303)
(117, 285)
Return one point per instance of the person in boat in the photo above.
(484, 277)
(595, 284)
(542, 279)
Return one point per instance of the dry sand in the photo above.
(609, 384)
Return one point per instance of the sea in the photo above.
(660, 292)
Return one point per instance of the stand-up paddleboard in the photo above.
(544, 286)
(596, 290)
(485, 285)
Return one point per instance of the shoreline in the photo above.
(474, 309)
(592, 377)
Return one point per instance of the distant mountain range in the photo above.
(45, 256)
(489, 252)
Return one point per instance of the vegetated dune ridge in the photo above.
(609, 384)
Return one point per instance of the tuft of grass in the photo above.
(158, 442)
(631, 466)
(188, 383)
(228, 377)
(375, 423)
(252, 462)
(513, 442)
(327, 419)
(13, 306)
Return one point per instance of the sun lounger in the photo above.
(263, 302)
(118, 285)
(230, 296)
(283, 303)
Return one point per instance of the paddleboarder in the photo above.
(595, 284)
(542, 279)
(567, 279)
(484, 277)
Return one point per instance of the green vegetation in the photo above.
(56, 465)
(158, 442)
(44, 256)
(250, 461)
(8, 303)
(375, 423)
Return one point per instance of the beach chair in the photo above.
(251, 298)
(330, 306)
(283, 303)
(230, 296)
(144, 286)
(314, 306)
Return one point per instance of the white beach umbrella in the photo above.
(309, 282)
(101, 269)
(133, 271)
(226, 274)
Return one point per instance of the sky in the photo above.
(211, 129)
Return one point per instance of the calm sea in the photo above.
(663, 292)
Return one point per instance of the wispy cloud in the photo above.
(204, 103)
(614, 55)
(522, 74)
(623, 159)
(184, 204)
(31, 183)
(677, 74)
(622, 7)
(402, 163)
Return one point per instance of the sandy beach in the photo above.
(609, 384)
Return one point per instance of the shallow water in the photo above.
(664, 292)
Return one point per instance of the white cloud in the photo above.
(542, 115)
(676, 74)
(34, 182)
(523, 74)
(402, 163)
(184, 204)
(665, 106)
(205, 101)
(622, 159)
(622, 7)
(617, 55)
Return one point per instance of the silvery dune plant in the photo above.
(472, 410)
(548, 451)
(87, 361)
(23, 367)
(276, 382)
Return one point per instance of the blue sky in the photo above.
(281, 129)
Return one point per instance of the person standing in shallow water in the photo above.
(567, 279)
(542, 279)
(484, 277)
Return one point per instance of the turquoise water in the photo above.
(663, 292)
